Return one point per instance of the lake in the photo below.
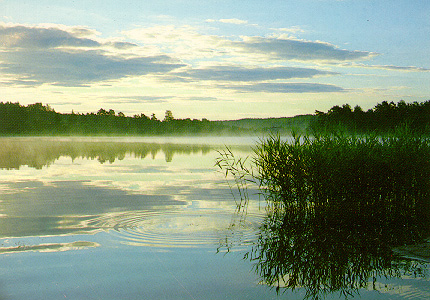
(135, 218)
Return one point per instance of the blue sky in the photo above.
(214, 59)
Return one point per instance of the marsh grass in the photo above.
(336, 206)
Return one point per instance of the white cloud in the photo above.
(70, 56)
(185, 42)
(301, 50)
(292, 29)
(286, 87)
(78, 68)
(387, 67)
(21, 37)
(247, 74)
(229, 21)
(138, 99)
(77, 56)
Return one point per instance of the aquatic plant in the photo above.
(324, 257)
(336, 206)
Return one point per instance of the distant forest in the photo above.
(384, 117)
(39, 119)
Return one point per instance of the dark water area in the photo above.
(149, 218)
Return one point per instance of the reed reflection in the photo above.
(336, 208)
(325, 254)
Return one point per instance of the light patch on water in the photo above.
(418, 289)
(57, 247)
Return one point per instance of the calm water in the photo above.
(133, 218)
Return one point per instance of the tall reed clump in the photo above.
(346, 178)
(336, 205)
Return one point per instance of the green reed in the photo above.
(384, 178)
(336, 205)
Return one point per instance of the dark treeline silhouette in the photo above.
(384, 117)
(39, 119)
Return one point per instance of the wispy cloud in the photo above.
(68, 57)
(187, 43)
(387, 67)
(138, 99)
(184, 42)
(293, 49)
(254, 74)
(78, 68)
(229, 21)
(202, 98)
(77, 56)
(68, 103)
(19, 36)
(402, 68)
(292, 29)
(273, 87)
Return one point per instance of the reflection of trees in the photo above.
(37, 153)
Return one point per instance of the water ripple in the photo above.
(184, 228)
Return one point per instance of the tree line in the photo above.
(384, 117)
(39, 119)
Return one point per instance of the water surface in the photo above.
(132, 218)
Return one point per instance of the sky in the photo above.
(214, 59)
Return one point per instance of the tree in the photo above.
(141, 116)
(102, 112)
(168, 116)
(358, 109)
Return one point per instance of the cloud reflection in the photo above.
(59, 247)
(60, 186)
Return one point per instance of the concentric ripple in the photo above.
(183, 228)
